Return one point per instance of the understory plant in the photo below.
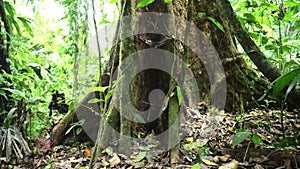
(12, 142)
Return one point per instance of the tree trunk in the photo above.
(4, 40)
(4, 56)
(240, 77)
(258, 58)
(243, 84)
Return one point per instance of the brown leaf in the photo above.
(224, 158)
(231, 165)
(115, 160)
(87, 152)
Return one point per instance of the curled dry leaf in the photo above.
(207, 162)
(231, 165)
(223, 159)
(115, 160)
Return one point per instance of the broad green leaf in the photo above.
(270, 47)
(109, 94)
(26, 23)
(2, 93)
(78, 131)
(291, 3)
(140, 157)
(196, 166)
(239, 137)
(16, 92)
(80, 123)
(218, 24)
(273, 7)
(143, 3)
(97, 89)
(249, 17)
(95, 100)
(179, 95)
(292, 85)
(284, 81)
(15, 24)
(34, 99)
(9, 117)
(9, 8)
(257, 140)
(167, 1)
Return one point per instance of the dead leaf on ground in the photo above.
(231, 165)
(115, 160)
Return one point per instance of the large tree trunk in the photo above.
(244, 84)
(239, 76)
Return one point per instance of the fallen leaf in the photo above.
(87, 152)
(105, 163)
(224, 158)
(115, 160)
(231, 165)
(139, 164)
(207, 162)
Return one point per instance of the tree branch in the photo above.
(258, 58)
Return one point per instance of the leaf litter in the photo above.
(253, 140)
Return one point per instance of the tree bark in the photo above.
(5, 36)
(4, 56)
(238, 74)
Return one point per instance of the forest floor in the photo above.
(261, 144)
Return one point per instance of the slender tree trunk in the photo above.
(4, 56)
(4, 40)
